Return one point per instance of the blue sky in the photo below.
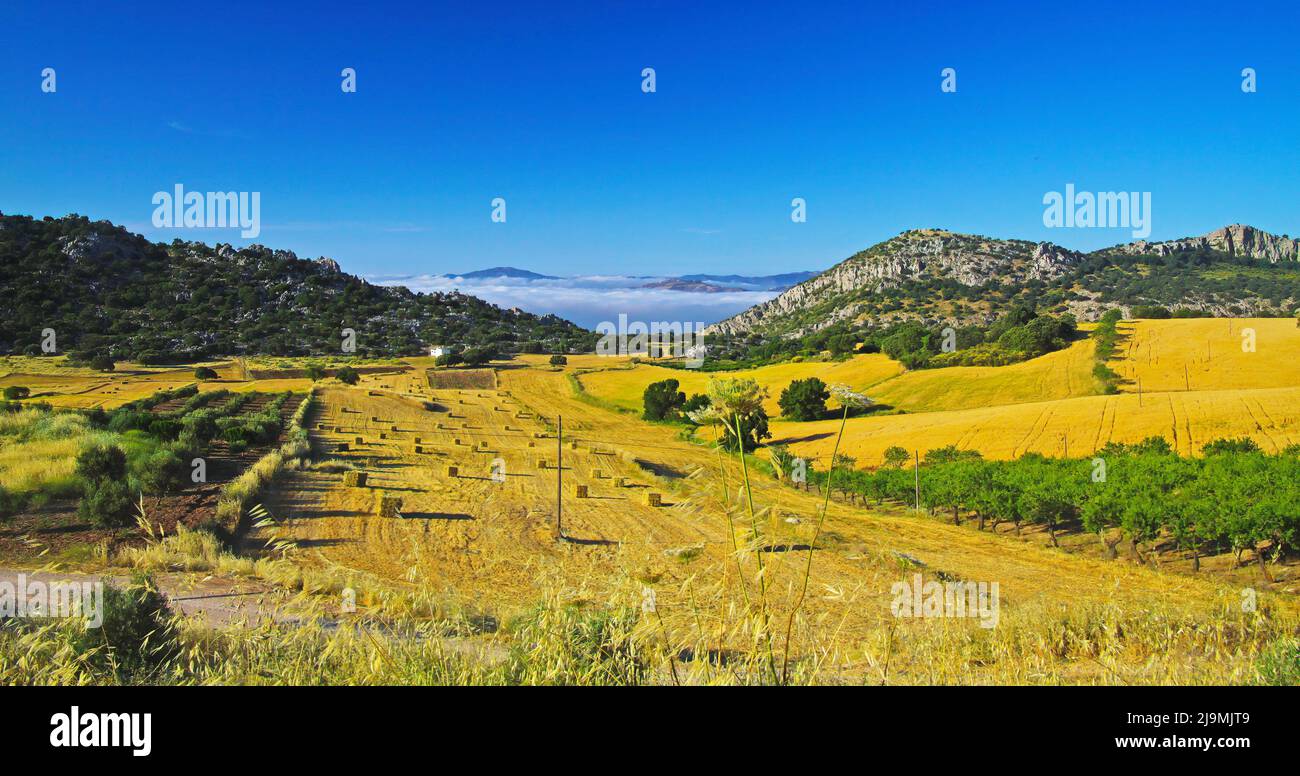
(836, 103)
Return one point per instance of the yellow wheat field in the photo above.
(624, 386)
(1064, 374)
(492, 543)
(1209, 353)
(1060, 375)
(1234, 392)
(1077, 427)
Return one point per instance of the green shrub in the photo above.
(101, 462)
(804, 400)
(138, 630)
(162, 472)
(106, 503)
(1280, 665)
(662, 400)
(1238, 445)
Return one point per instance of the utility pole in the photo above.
(917, 469)
(1066, 439)
(559, 475)
(1187, 383)
(1139, 391)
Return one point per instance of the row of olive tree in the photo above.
(1234, 498)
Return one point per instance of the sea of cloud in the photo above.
(588, 300)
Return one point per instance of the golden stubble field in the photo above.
(1233, 392)
(491, 544)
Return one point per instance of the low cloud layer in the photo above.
(587, 300)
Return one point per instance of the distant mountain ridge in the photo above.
(934, 274)
(701, 283)
(504, 272)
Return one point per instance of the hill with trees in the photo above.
(936, 278)
(108, 293)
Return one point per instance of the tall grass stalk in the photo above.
(812, 546)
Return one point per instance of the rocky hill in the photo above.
(1235, 240)
(105, 290)
(936, 275)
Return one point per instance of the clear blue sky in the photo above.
(836, 103)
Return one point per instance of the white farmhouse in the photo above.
(437, 350)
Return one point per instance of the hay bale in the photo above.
(597, 474)
(417, 440)
(541, 463)
(359, 440)
(482, 443)
(394, 428)
(457, 441)
(419, 449)
(342, 447)
(320, 426)
(620, 482)
(654, 500)
(532, 444)
(354, 479)
(388, 506)
(453, 471)
(580, 491)
(573, 445)
(382, 435)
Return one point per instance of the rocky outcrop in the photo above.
(843, 291)
(1234, 240)
(923, 253)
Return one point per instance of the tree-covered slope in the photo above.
(105, 290)
(934, 275)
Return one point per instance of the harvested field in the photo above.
(492, 539)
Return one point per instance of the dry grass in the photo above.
(491, 546)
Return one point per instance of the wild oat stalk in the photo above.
(847, 399)
(758, 550)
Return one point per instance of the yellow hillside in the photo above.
(1061, 375)
(1064, 374)
(624, 387)
(1207, 353)
(1271, 416)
